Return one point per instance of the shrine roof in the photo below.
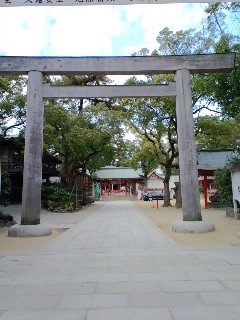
(154, 172)
(213, 159)
(111, 172)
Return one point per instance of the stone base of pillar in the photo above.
(25, 231)
(193, 226)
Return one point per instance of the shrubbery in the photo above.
(223, 185)
(5, 189)
(223, 180)
(55, 197)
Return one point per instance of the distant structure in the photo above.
(128, 181)
(155, 181)
(124, 180)
(208, 161)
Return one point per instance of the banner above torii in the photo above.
(45, 3)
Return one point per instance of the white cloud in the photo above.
(90, 31)
(85, 31)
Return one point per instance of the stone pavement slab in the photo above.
(114, 263)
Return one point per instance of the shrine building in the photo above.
(208, 161)
(119, 180)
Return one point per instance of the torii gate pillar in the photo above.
(187, 148)
(192, 218)
(32, 174)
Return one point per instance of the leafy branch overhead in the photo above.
(12, 104)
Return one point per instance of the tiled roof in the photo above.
(155, 173)
(213, 159)
(117, 173)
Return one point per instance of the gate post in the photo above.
(32, 176)
(192, 218)
(187, 149)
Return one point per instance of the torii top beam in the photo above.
(204, 63)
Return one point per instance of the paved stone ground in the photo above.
(116, 265)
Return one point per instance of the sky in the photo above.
(116, 30)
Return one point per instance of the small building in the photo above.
(119, 180)
(155, 181)
(12, 162)
(208, 161)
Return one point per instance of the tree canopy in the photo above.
(12, 104)
(82, 132)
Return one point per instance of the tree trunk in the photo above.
(145, 185)
(178, 195)
(67, 175)
(70, 180)
(166, 180)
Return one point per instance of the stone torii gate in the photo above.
(180, 66)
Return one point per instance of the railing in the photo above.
(19, 166)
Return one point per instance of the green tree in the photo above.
(223, 185)
(155, 121)
(223, 179)
(183, 42)
(159, 122)
(218, 16)
(80, 131)
(213, 132)
(5, 189)
(222, 21)
(12, 104)
(214, 93)
(124, 152)
(84, 140)
(144, 158)
(86, 80)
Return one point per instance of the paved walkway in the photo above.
(116, 265)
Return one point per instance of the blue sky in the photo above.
(90, 31)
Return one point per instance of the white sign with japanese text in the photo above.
(26, 3)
